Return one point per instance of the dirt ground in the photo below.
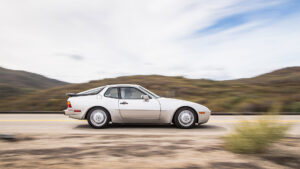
(138, 151)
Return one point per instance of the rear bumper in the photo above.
(74, 114)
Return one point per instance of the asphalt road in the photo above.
(60, 124)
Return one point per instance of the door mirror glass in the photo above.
(145, 97)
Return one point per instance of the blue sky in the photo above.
(271, 13)
(78, 41)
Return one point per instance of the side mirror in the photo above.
(145, 97)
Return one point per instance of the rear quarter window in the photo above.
(112, 93)
(91, 91)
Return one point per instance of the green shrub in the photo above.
(293, 107)
(255, 136)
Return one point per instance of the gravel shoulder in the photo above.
(54, 141)
(138, 151)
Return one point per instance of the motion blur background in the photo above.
(233, 56)
(219, 53)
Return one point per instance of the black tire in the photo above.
(101, 113)
(181, 124)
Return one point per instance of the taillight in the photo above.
(69, 104)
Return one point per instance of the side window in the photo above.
(112, 93)
(131, 93)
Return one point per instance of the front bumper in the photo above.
(203, 118)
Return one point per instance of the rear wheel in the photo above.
(98, 118)
(185, 118)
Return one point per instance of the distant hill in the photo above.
(15, 83)
(277, 91)
(22, 79)
(286, 75)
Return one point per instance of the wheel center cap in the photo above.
(98, 117)
(186, 118)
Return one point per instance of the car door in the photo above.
(111, 102)
(133, 108)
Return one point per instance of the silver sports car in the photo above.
(127, 103)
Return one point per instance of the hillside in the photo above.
(22, 79)
(278, 91)
(290, 75)
(15, 83)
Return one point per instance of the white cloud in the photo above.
(115, 38)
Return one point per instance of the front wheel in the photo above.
(98, 118)
(185, 118)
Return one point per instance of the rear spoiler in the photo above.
(71, 94)
(76, 94)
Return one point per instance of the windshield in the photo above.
(92, 91)
(149, 92)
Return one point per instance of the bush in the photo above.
(293, 107)
(254, 137)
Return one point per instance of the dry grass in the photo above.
(254, 137)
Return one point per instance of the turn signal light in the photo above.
(201, 112)
(69, 104)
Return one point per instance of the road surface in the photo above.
(55, 141)
(56, 123)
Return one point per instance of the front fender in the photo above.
(170, 106)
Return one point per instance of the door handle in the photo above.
(123, 103)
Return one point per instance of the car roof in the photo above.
(123, 85)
